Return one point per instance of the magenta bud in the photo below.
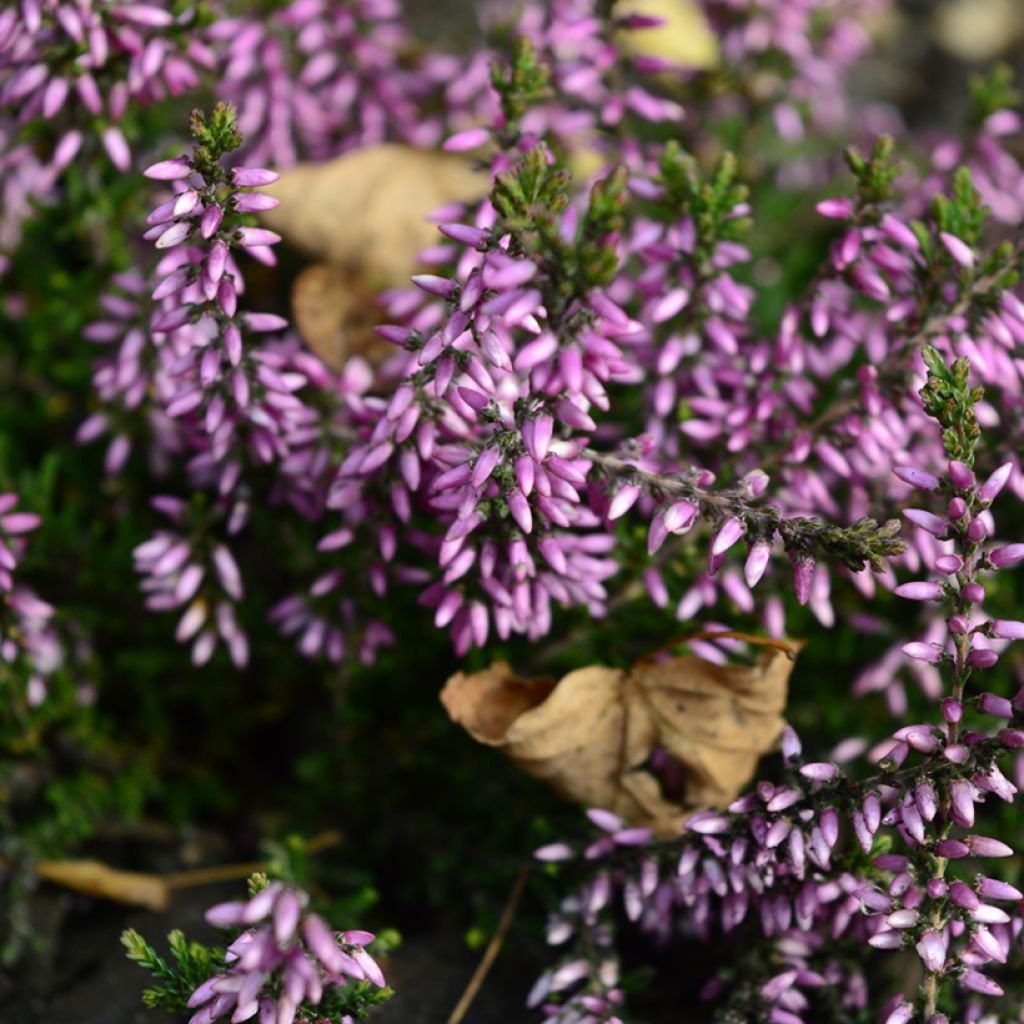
(974, 592)
(624, 499)
(948, 564)
(1007, 629)
(253, 177)
(917, 477)
(952, 710)
(961, 252)
(819, 771)
(921, 651)
(1006, 556)
(961, 475)
(731, 531)
(982, 658)
(990, 489)
(836, 209)
(994, 889)
(977, 531)
(920, 590)
(933, 524)
(985, 846)
(956, 509)
(952, 849)
(169, 170)
(991, 704)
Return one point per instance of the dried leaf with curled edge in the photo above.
(367, 209)
(104, 882)
(683, 38)
(592, 734)
(335, 311)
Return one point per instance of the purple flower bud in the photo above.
(962, 802)
(957, 248)
(757, 562)
(1007, 629)
(982, 658)
(707, 823)
(169, 170)
(952, 710)
(964, 896)
(917, 477)
(1006, 556)
(991, 704)
(975, 981)
(948, 564)
(977, 531)
(932, 950)
(520, 509)
(249, 237)
(819, 771)
(956, 509)
(471, 138)
(624, 499)
(920, 590)
(803, 578)
(932, 653)
(961, 475)
(253, 177)
(836, 209)
(985, 846)
(730, 532)
(990, 489)
(681, 515)
(994, 889)
(933, 524)
(952, 848)
(174, 235)
(989, 945)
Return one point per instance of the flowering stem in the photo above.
(862, 542)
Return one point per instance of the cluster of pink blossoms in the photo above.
(284, 959)
(780, 853)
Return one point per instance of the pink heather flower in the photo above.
(920, 590)
(284, 949)
(957, 248)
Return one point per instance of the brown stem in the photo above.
(493, 948)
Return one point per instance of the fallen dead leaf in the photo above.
(335, 311)
(366, 210)
(592, 734)
(684, 37)
(978, 30)
(95, 878)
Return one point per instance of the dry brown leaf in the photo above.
(366, 210)
(683, 38)
(978, 30)
(591, 734)
(335, 311)
(104, 882)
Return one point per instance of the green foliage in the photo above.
(192, 963)
(531, 199)
(992, 92)
(215, 136)
(949, 397)
(876, 174)
(520, 82)
(963, 214)
(709, 198)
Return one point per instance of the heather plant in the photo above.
(710, 353)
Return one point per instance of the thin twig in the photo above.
(493, 948)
